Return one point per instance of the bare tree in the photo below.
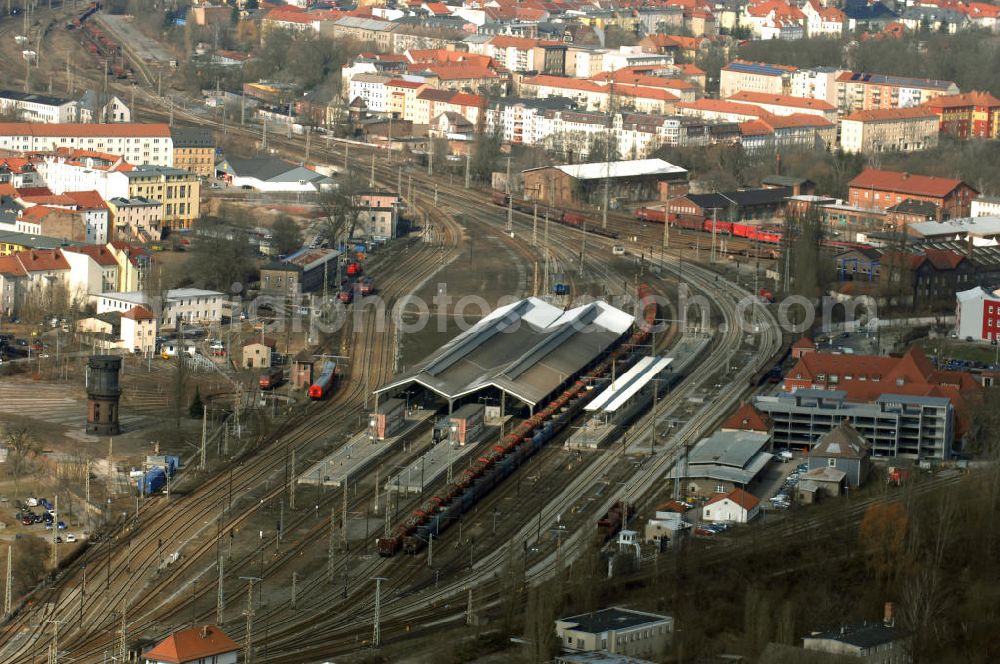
(21, 450)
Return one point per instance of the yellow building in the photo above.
(133, 265)
(177, 189)
(194, 150)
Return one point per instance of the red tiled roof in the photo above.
(738, 496)
(755, 128)
(34, 191)
(11, 267)
(781, 100)
(191, 645)
(79, 129)
(399, 83)
(966, 99)
(14, 164)
(139, 313)
(50, 199)
(100, 254)
(545, 80)
(672, 506)
(87, 200)
(460, 72)
(723, 106)
(39, 212)
(804, 342)
(41, 260)
(634, 78)
(904, 183)
(885, 114)
(747, 418)
(795, 120)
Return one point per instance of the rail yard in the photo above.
(358, 442)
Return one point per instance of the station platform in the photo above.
(434, 464)
(358, 453)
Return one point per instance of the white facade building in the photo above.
(189, 305)
(61, 175)
(737, 506)
(816, 83)
(986, 206)
(977, 314)
(37, 108)
(372, 89)
(136, 143)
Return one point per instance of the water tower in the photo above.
(102, 394)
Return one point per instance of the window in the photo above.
(832, 463)
(720, 488)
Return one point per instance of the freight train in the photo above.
(456, 498)
(765, 234)
(574, 219)
(324, 383)
(91, 9)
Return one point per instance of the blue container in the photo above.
(152, 481)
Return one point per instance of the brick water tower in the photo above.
(102, 394)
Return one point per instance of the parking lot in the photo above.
(37, 517)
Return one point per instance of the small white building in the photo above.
(977, 313)
(206, 644)
(737, 506)
(138, 331)
(617, 631)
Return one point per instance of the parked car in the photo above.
(61, 525)
(704, 531)
(70, 537)
(27, 521)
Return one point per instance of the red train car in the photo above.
(271, 378)
(323, 384)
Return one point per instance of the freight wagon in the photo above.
(324, 383)
(559, 216)
(612, 522)
(442, 510)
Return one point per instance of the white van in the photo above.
(618, 250)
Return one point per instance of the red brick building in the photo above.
(880, 190)
(968, 115)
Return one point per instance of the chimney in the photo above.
(889, 619)
(906, 175)
(204, 631)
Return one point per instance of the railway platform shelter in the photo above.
(525, 351)
(619, 402)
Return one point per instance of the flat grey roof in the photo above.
(526, 349)
(734, 456)
(613, 618)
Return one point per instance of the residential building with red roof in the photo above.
(823, 21)
(860, 91)
(743, 75)
(802, 346)
(967, 115)
(881, 189)
(137, 143)
(773, 19)
(594, 96)
(786, 104)
(889, 130)
(196, 645)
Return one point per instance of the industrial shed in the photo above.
(526, 350)
(574, 184)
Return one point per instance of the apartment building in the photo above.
(430, 103)
(859, 91)
(594, 96)
(178, 190)
(136, 218)
(31, 107)
(967, 115)
(741, 75)
(402, 96)
(786, 104)
(889, 130)
(372, 89)
(816, 83)
(84, 170)
(187, 305)
(135, 143)
(194, 150)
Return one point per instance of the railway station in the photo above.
(430, 466)
(517, 357)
